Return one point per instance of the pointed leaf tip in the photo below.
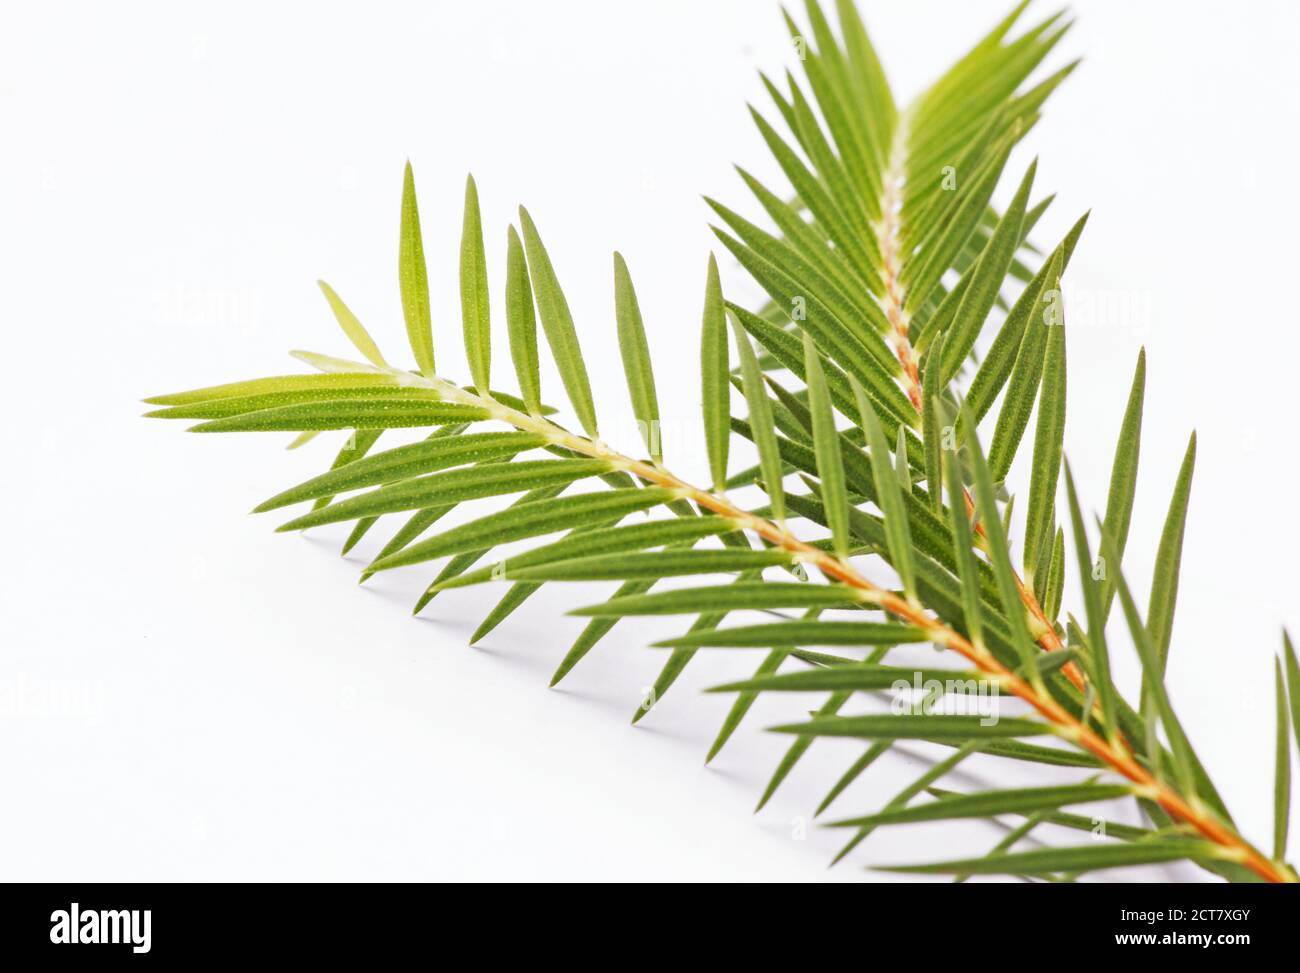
(414, 280)
(474, 304)
(635, 351)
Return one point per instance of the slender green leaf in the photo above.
(963, 548)
(925, 727)
(1169, 555)
(800, 632)
(855, 678)
(986, 279)
(636, 358)
(1282, 773)
(888, 494)
(474, 307)
(996, 367)
(826, 441)
(406, 461)
(1026, 375)
(760, 421)
(933, 419)
(936, 771)
(352, 327)
(353, 449)
(557, 323)
(1293, 683)
(452, 486)
(654, 564)
(532, 520)
(869, 756)
(757, 595)
(989, 803)
(231, 406)
(1049, 438)
(518, 593)
(1080, 858)
(742, 704)
(329, 383)
(1000, 555)
(1123, 473)
(717, 391)
(1051, 600)
(465, 560)
(1185, 762)
(606, 540)
(1099, 653)
(388, 412)
(794, 753)
(521, 320)
(413, 276)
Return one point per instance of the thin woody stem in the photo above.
(1232, 846)
(894, 299)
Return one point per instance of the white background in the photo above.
(187, 695)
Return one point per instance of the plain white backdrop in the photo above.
(186, 695)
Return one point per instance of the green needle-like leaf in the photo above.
(987, 278)
(852, 678)
(1169, 556)
(452, 486)
(231, 406)
(760, 421)
(888, 494)
(756, 595)
(406, 461)
(1000, 554)
(354, 448)
(986, 805)
(924, 727)
(826, 441)
(512, 599)
(636, 358)
(996, 367)
(557, 322)
(1048, 441)
(655, 564)
(869, 756)
(1282, 773)
(1123, 473)
(474, 308)
(1080, 858)
(801, 632)
(521, 320)
(1185, 761)
(963, 548)
(1099, 652)
(608, 540)
(413, 276)
(794, 753)
(531, 520)
(352, 327)
(1293, 683)
(933, 419)
(743, 703)
(386, 412)
(465, 560)
(332, 385)
(1018, 402)
(717, 389)
(965, 748)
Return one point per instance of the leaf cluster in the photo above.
(884, 446)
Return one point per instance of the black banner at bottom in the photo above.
(134, 924)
